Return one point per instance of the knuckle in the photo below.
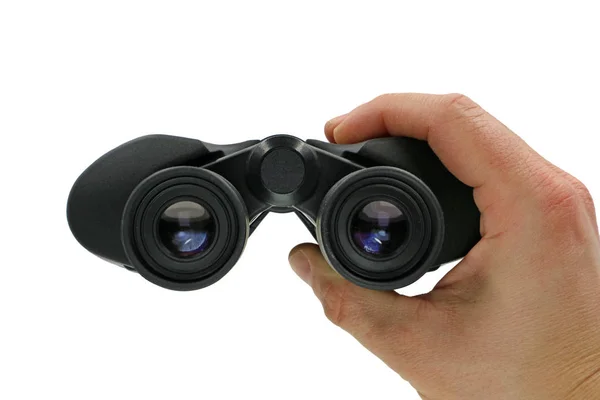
(461, 114)
(461, 106)
(460, 109)
(336, 302)
(458, 99)
(565, 208)
(558, 197)
(582, 192)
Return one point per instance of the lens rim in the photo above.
(425, 219)
(144, 208)
(358, 209)
(146, 235)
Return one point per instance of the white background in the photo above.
(78, 78)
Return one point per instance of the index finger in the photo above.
(472, 144)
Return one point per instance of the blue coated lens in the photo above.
(186, 229)
(380, 228)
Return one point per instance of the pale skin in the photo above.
(519, 316)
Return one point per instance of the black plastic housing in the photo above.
(112, 206)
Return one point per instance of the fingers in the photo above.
(381, 321)
(331, 125)
(472, 144)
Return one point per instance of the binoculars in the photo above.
(179, 211)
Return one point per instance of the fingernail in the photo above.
(335, 130)
(335, 121)
(337, 134)
(300, 265)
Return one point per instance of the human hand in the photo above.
(519, 316)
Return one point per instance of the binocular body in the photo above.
(179, 211)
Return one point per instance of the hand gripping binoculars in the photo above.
(179, 211)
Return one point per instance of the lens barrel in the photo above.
(380, 228)
(184, 228)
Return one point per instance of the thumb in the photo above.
(386, 323)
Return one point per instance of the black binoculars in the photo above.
(179, 211)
